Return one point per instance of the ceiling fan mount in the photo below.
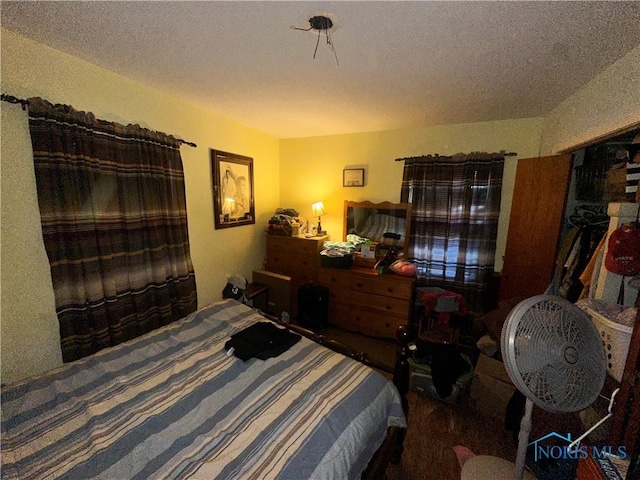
(320, 22)
(320, 25)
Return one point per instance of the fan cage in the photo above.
(553, 353)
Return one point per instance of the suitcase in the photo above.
(313, 306)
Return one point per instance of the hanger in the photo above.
(602, 420)
(588, 215)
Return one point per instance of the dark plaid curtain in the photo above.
(114, 223)
(454, 225)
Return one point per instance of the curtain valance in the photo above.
(456, 158)
(87, 122)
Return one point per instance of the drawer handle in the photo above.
(388, 325)
(388, 307)
(390, 289)
(359, 285)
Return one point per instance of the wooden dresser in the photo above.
(363, 301)
(296, 257)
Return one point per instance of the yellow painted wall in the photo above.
(311, 168)
(288, 173)
(30, 338)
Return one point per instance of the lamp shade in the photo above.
(318, 209)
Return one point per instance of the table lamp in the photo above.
(318, 211)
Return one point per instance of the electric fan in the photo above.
(554, 355)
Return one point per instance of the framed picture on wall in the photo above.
(233, 203)
(353, 177)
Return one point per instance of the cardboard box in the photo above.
(616, 182)
(491, 388)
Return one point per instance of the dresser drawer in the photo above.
(377, 325)
(344, 317)
(350, 299)
(362, 301)
(373, 324)
(337, 306)
(291, 264)
(335, 278)
(378, 303)
(390, 286)
(293, 245)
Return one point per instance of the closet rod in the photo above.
(25, 103)
(506, 154)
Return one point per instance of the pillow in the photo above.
(403, 267)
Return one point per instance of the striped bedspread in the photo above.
(173, 404)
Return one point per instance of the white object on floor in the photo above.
(488, 467)
(487, 345)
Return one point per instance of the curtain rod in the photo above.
(25, 103)
(506, 154)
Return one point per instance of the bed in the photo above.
(174, 404)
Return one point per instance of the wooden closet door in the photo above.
(536, 218)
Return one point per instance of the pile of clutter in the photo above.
(337, 254)
(287, 222)
(341, 255)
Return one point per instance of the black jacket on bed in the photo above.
(261, 340)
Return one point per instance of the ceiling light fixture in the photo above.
(321, 24)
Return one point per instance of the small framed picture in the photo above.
(232, 189)
(353, 177)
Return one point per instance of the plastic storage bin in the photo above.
(336, 262)
(616, 339)
(421, 381)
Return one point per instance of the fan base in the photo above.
(483, 467)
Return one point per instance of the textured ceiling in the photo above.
(401, 64)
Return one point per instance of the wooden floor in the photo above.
(435, 427)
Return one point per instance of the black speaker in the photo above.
(313, 306)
